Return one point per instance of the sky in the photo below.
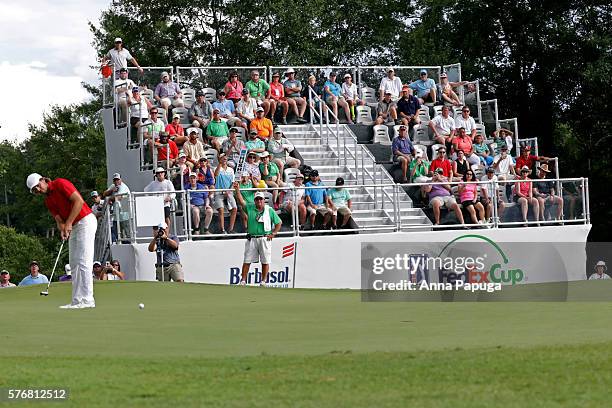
(45, 54)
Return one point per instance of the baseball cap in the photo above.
(290, 71)
(423, 71)
(314, 173)
(339, 181)
(245, 91)
(221, 92)
(259, 194)
(245, 174)
(439, 170)
(162, 225)
(504, 148)
(199, 93)
(116, 176)
(405, 86)
(34, 263)
(490, 170)
(387, 92)
(443, 75)
(193, 132)
(135, 89)
(347, 76)
(97, 263)
(160, 170)
(264, 154)
(68, 269)
(600, 263)
(33, 180)
(299, 175)
(234, 130)
(331, 74)
(4, 272)
(390, 69)
(94, 194)
(118, 39)
(182, 154)
(525, 168)
(402, 127)
(276, 74)
(260, 109)
(176, 115)
(203, 159)
(528, 148)
(193, 175)
(253, 132)
(164, 74)
(123, 70)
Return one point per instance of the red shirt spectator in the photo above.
(441, 163)
(161, 151)
(175, 128)
(527, 159)
(58, 202)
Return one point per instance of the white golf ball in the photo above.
(141, 306)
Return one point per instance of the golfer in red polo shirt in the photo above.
(77, 224)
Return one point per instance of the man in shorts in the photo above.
(262, 225)
(440, 195)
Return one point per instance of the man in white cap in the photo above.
(97, 206)
(117, 193)
(424, 87)
(168, 93)
(600, 271)
(119, 57)
(160, 183)
(391, 84)
(168, 263)
(262, 225)
(77, 224)
(5, 280)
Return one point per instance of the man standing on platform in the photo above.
(261, 218)
(78, 225)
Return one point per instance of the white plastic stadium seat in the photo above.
(210, 94)
(148, 94)
(268, 198)
(424, 115)
(188, 96)
(456, 111)
(434, 149)
(182, 112)
(480, 130)
(381, 135)
(211, 155)
(422, 149)
(291, 174)
(421, 134)
(368, 95)
(364, 115)
(163, 115)
(438, 110)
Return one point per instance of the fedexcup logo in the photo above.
(500, 270)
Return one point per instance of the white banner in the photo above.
(334, 262)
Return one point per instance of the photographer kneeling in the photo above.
(168, 264)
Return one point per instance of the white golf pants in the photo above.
(81, 247)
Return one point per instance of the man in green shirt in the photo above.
(262, 225)
(217, 131)
(258, 88)
(339, 203)
(270, 174)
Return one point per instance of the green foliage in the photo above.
(17, 250)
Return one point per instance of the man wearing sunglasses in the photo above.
(466, 122)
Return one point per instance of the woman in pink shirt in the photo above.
(468, 195)
(233, 88)
(523, 194)
(276, 95)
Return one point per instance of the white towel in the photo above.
(265, 218)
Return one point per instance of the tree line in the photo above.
(547, 62)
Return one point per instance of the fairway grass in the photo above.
(219, 346)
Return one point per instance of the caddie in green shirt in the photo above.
(258, 88)
(262, 225)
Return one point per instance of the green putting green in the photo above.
(206, 345)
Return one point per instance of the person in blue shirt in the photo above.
(424, 87)
(317, 201)
(226, 110)
(35, 277)
(332, 93)
(199, 203)
(403, 151)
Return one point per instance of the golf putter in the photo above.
(46, 292)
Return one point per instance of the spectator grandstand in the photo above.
(386, 174)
